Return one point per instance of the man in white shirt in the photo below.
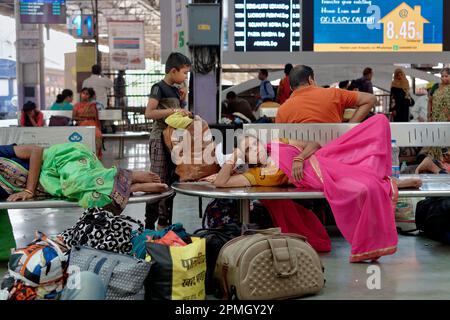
(101, 85)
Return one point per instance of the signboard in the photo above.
(43, 11)
(180, 27)
(81, 26)
(378, 26)
(48, 136)
(263, 25)
(85, 59)
(126, 45)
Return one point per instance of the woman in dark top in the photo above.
(400, 97)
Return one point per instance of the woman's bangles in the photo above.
(28, 191)
(299, 158)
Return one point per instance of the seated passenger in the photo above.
(430, 165)
(71, 171)
(354, 172)
(31, 116)
(63, 101)
(85, 113)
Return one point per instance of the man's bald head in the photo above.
(301, 76)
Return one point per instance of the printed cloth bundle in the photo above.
(37, 271)
(102, 230)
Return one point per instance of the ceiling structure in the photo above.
(145, 10)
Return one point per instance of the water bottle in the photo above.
(395, 159)
(403, 167)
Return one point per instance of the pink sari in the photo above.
(354, 173)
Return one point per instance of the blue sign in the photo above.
(75, 137)
(82, 27)
(378, 25)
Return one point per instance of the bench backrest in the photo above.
(48, 136)
(109, 114)
(413, 134)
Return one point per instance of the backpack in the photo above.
(179, 141)
(433, 218)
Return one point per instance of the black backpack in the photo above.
(433, 218)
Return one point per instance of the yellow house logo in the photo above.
(404, 26)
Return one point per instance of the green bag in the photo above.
(7, 241)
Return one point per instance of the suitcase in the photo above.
(269, 265)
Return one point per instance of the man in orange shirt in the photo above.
(312, 104)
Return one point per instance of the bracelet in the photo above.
(299, 158)
(28, 191)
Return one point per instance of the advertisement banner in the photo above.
(126, 45)
(180, 27)
(378, 26)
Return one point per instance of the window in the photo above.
(15, 87)
(4, 87)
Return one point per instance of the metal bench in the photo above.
(107, 114)
(407, 134)
(58, 203)
(417, 134)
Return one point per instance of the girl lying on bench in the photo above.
(354, 172)
(70, 171)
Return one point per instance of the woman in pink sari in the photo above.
(354, 173)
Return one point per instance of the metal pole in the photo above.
(219, 65)
(41, 68)
(96, 33)
(19, 67)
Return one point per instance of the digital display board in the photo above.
(378, 25)
(263, 25)
(43, 11)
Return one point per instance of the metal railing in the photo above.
(134, 102)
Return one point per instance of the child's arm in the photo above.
(153, 113)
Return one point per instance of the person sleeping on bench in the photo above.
(430, 165)
(353, 171)
(70, 171)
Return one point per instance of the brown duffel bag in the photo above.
(269, 265)
(197, 168)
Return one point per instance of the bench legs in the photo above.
(121, 147)
(244, 210)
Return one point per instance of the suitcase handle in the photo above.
(293, 260)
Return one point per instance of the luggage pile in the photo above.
(228, 260)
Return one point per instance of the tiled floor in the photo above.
(419, 270)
